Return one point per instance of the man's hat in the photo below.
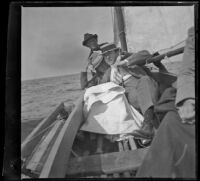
(87, 37)
(108, 48)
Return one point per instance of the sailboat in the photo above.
(53, 150)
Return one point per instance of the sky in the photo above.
(52, 38)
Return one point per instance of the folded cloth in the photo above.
(107, 111)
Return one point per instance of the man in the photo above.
(172, 152)
(141, 89)
(98, 68)
(91, 41)
(94, 59)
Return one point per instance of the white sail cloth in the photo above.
(107, 111)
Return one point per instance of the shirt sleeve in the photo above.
(186, 77)
(83, 80)
(140, 56)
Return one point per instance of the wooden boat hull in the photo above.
(54, 158)
(61, 144)
(58, 162)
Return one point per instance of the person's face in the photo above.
(92, 43)
(110, 57)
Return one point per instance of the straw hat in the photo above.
(108, 48)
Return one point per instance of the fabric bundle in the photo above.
(107, 111)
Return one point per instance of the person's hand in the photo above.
(90, 68)
(157, 64)
(118, 62)
(115, 76)
(187, 111)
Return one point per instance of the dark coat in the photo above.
(186, 78)
(172, 152)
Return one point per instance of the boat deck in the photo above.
(119, 159)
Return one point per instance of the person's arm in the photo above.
(130, 58)
(159, 64)
(139, 56)
(185, 98)
(84, 79)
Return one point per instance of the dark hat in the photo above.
(108, 47)
(88, 36)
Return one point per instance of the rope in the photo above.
(42, 131)
(112, 18)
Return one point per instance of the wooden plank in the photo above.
(28, 145)
(132, 143)
(44, 158)
(108, 163)
(123, 161)
(126, 148)
(116, 175)
(84, 166)
(125, 144)
(56, 164)
(99, 149)
(42, 147)
(110, 175)
(120, 146)
(103, 176)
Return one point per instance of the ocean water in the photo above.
(41, 96)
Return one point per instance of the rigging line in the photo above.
(111, 14)
(113, 23)
(42, 131)
(112, 18)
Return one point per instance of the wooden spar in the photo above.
(122, 36)
(132, 144)
(159, 57)
(28, 145)
(57, 161)
(168, 54)
(108, 163)
(121, 28)
(43, 147)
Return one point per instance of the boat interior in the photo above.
(56, 148)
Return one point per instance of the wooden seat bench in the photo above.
(109, 163)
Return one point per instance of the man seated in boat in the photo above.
(93, 61)
(172, 152)
(141, 90)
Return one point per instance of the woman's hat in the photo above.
(108, 48)
(87, 37)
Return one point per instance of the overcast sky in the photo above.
(52, 38)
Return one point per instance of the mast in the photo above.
(120, 35)
(121, 27)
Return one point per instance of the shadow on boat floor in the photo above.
(87, 146)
